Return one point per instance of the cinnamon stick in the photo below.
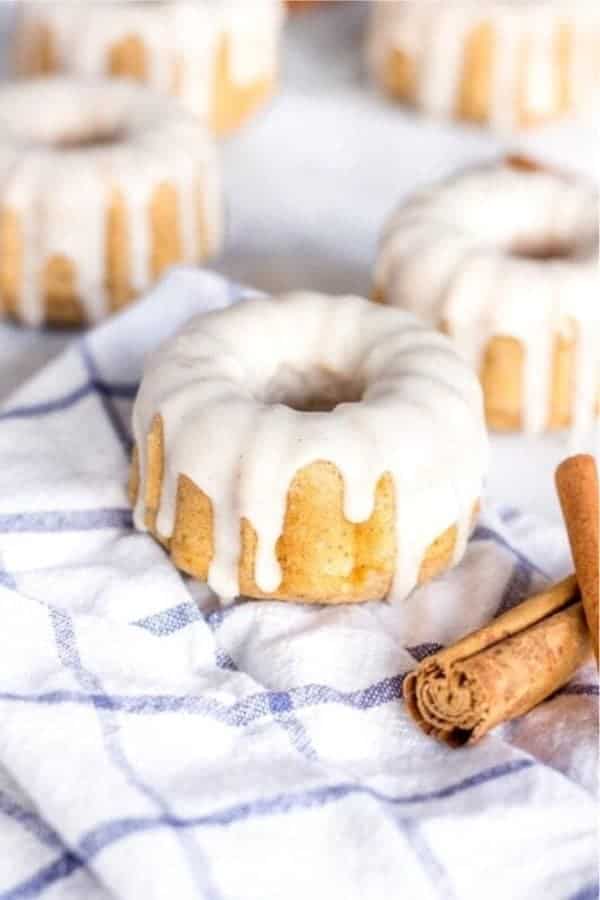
(577, 485)
(501, 671)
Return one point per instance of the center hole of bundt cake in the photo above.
(318, 390)
(544, 251)
(89, 138)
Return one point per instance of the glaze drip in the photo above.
(231, 391)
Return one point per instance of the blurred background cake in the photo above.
(510, 64)
(220, 59)
(504, 259)
(103, 185)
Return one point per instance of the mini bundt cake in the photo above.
(103, 185)
(219, 58)
(504, 258)
(509, 63)
(308, 447)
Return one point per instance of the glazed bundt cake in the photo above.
(308, 447)
(103, 185)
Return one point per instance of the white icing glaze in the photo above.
(449, 256)
(61, 195)
(434, 36)
(181, 41)
(228, 389)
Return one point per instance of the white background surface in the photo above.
(309, 183)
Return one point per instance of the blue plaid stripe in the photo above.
(120, 429)
(30, 822)
(171, 620)
(50, 406)
(60, 869)
(216, 617)
(590, 892)
(297, 734)
(50, 521)
(71, 398)
(580, 690)
(508, 514)
(422, 651)
(94, 385)
(102, 837)
(7, 580)
(239, 714)
(430, 863)
(377, 694)
(225, 661)
(243, 712)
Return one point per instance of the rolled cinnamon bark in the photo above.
(501, 671)
(577, 485)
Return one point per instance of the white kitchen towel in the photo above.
(154, 746)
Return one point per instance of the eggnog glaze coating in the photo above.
(246, 401)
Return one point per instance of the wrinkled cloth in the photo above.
(154, 745)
